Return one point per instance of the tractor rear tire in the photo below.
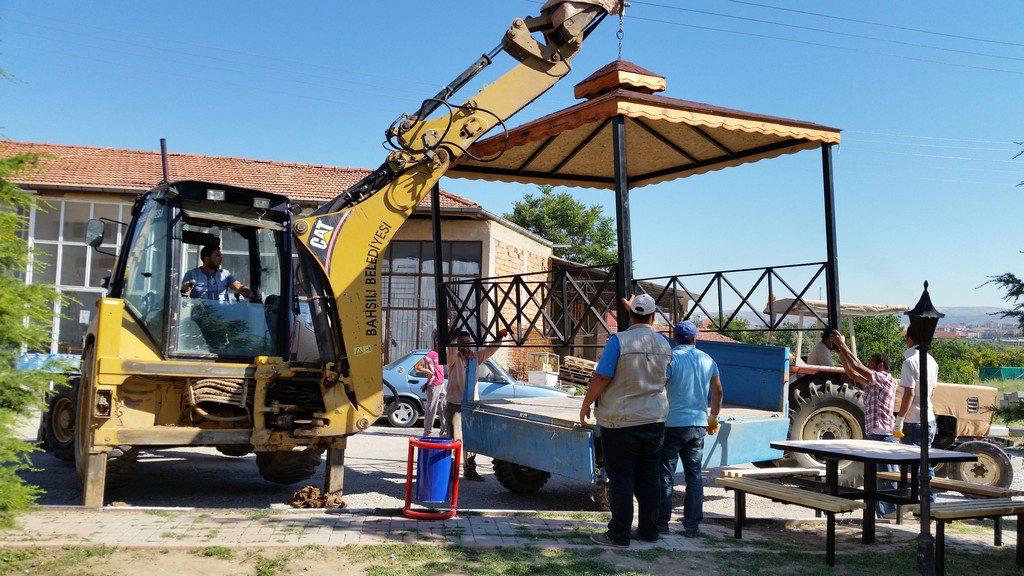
(827, 411)
(289, 466)
(57, 426)
(520, 479)
(993, 467)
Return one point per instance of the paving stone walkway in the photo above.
(255, 528)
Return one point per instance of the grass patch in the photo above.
(161, 513)
(216, 552)
(173, 535)
(258, 514)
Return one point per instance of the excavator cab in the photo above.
(245, 232)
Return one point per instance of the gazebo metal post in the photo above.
(832, 262)
(624, 267)
(439, 295)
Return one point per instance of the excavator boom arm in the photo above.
(346, 237)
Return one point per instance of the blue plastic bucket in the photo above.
(433, 472)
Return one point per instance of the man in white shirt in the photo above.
(909, 417)
(821, 354)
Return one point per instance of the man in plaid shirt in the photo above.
(879, 395)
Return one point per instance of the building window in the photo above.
(407, 297)
(57, 233)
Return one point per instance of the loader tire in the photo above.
(828, 411)
(520, 479)
(57, 426)
(235, 450)
(289, 466)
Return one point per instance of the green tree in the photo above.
(26, 317)
(560, 218)
(880, 335)
(1014, 288)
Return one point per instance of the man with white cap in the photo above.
(630, 382)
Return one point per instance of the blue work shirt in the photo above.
(213, 287)
(610, 357)
(689, 382)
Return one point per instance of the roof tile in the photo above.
(70, 165)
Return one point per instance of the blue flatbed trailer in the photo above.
(545, 434)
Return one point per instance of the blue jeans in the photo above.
(883, 508)
(912, 436)
(687, 443)
(631, 462)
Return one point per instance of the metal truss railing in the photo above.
(575, 307)
(553, 308)
(706, 294)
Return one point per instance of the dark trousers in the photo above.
(686, 443)
(883, 508)
(912, 435)
(632, 457)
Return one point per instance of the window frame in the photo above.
(59, 244)
(422, 312)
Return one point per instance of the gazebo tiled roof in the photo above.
(666, 138)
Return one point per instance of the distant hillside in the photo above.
(973, 315)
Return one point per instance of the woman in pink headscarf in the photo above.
(434, 388)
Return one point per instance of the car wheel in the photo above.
(403, 413)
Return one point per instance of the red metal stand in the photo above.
(456, 448)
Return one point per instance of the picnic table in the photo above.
(871, 453)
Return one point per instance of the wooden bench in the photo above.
(994, 508)
(965, 488)
(772, 473)
(830, 505)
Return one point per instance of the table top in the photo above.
(871, 451)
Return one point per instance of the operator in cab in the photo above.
(210, 281)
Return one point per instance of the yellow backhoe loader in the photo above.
(167, 364)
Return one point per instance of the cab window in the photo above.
(145, 273)
(220, 320)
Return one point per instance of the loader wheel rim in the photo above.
(62, 420)
(403, 413)
(830, 423)
(984, 471)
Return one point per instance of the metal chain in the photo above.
(620, 34)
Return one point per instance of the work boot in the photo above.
(603, 539)
(637, 536)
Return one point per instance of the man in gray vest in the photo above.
(630, 382)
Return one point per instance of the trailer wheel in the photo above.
(57, 426)
(520, 479)
(289, 466)
(599, 496)
(827, 411)
(993, 467)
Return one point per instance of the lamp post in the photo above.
(923, 320)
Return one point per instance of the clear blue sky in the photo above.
(319, 82)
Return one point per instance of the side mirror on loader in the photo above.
(94, 232)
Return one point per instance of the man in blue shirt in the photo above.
(692, 376)
(210, 281)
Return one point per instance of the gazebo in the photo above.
(626, 135)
